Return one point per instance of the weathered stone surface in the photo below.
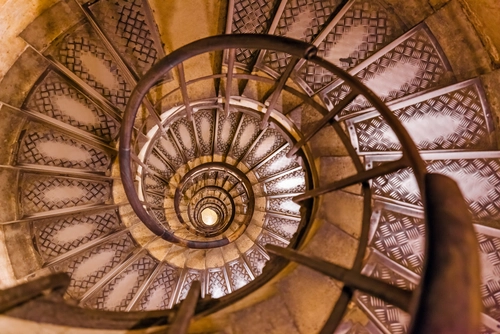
(411, 12)
(20, 247)
(326, 142)
(7, 277)
(10, 127)
(14, 17)
(343, 210)
(459, 41)
(479, 12)
(269, 316)
(332, 244)
(29, 66)
(491, 82)
(303, 292)
(52, 23)
(332, 169)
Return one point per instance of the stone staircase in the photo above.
(63, 102)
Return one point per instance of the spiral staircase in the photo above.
(230, 151)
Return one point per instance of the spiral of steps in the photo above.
(225, 175)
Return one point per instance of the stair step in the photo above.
(46, 193)
(57, 97)
(326, 142)
(249, 17)
(457, 114)
(50, 24)
(332, 169)
(379, 72)
(299, 21)
(214, 258)
(399, 234)
(302, 291)
(379, 310)
(130, 29)
(244, 243)
(217, 282)
(230, 252)
(158, 295)
(120, 290)
(478, 167)
(268, 316)
(331, 244)
(356, 321)
(176, 256)
(196, 259)
(343, 210)
(359, 30)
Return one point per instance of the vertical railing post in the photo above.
(186, 310)
(448, 299)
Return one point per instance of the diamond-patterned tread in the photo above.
(455, 117)
(410, 64)
(303, 20)
(41, 193)
(386, 316)
(249, 16)
(56, 97)
(477, 174)
(55, 237)
(126, 24)
(43, 146)
(82, 52)
(360, 29)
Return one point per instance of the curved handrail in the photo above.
(436, 306)
(448, 299)
(293, 47)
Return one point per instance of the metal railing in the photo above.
(447, 299)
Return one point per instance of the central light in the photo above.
(209, 217)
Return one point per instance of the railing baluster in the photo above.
(351, 180)
(319, 125)
(186, 310)
(229, 80)
(387, 292)
(277, 92)
(12, 297)
(184, 92)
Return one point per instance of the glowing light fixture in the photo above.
(209, 217)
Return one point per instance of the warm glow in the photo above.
(209, 217)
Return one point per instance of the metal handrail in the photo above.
(451, 263)
(298, 50)
(447, 299)
(295, 48)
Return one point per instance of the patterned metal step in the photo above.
(247, 17)
(121, 289)
(399, 237)
(87, 269)
(452, 118)
(56, 237)
(387, 317)
(42, 193)
(411, 63)
(55, 96)
(476, 172)
(130, 27)
(83, 53)
(398, 233)
(158, 293)
(302, 20)
(40, 145)
(360, 29)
